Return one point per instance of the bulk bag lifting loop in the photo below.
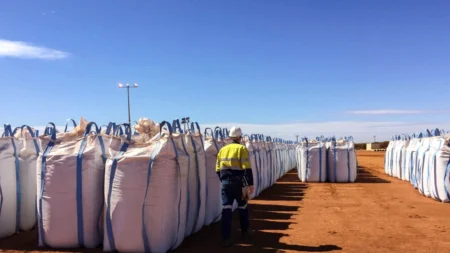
(218, 133)
(199, 131)
(67, 124)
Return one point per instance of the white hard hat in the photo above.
(235, 132)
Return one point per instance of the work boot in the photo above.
(226, 243)
(248, 234)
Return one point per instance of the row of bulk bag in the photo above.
(312, 160)
(19, 149)
(70, 172)
(425, 163)
(146, 196)
(341, 160)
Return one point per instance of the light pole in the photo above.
(128, 92)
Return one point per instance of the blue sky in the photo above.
(343, 67)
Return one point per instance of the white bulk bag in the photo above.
(439, 182)
(271, 160)
(252, 158)
(213, 186)
(197, 177)
(430, 156)
(389, 156)
(70, 174)
(342, 161)
(422, 159)
(312, 157)
(399, 156)
(29, 149)
(144, 209)
(410, 159)
(10, 189)
(264, 162)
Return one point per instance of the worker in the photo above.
(234, 170)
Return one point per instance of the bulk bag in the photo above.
(271, 160)
(213, 185)
(399, 156)
(414, 160)
(144, 206)
(252, 158)
(9, 184)
(28, 152)
(263, 162)
(312, 160)
(342, 161)
(428, 167)
(422, 159)
(196, 179)
(439, 183)
(388, 161)
(409, 158)
(70, 172)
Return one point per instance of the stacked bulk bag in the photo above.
(70, 173)
(213, 186)
(9, 184)
(196, 179)
(312, 159)
(342, 165)
(144, 181)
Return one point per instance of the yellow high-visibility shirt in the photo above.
(233, 156)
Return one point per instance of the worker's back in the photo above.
(232, 160)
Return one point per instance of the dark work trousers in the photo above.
(232, 190)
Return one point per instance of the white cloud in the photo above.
(19, 49)
(361, 131)
(387, 112)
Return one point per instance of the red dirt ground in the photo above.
(377, 214)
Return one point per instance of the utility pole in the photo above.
(128, 92)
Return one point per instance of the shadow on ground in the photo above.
(366, 176)
(270, 217)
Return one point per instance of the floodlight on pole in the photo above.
(128, 86)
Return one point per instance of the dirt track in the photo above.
(376, 214)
